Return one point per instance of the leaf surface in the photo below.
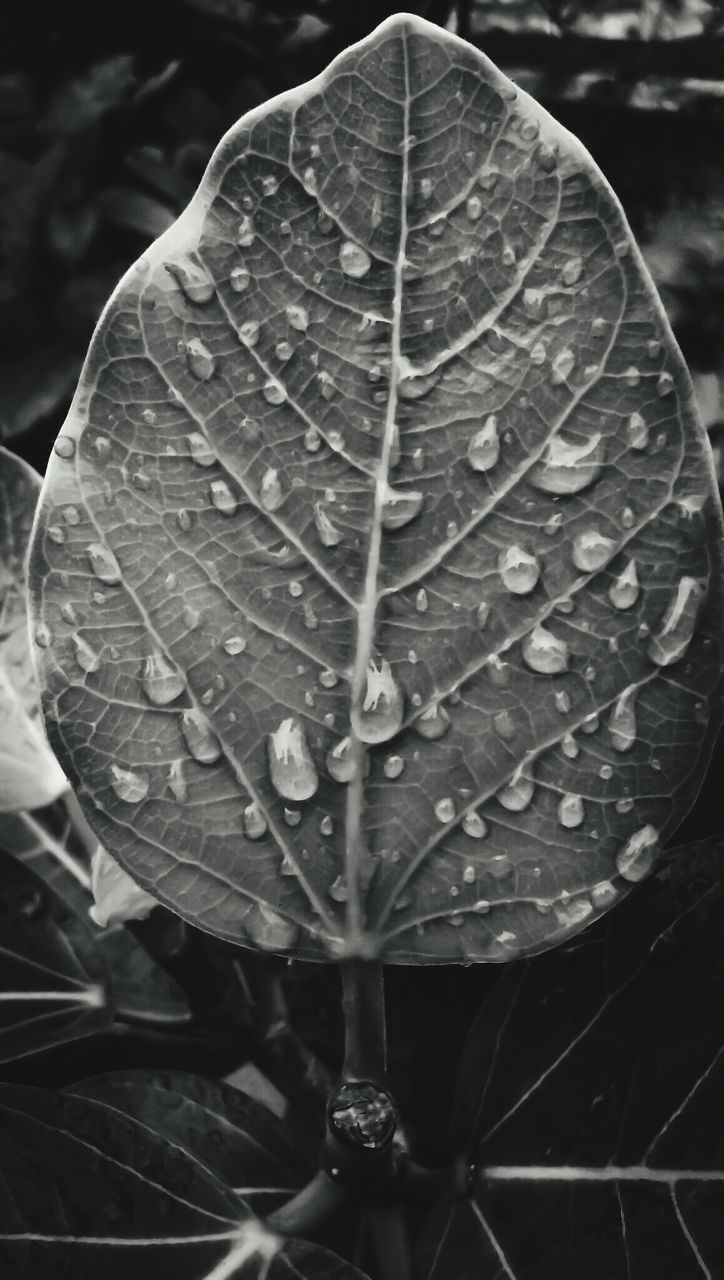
(588, 1100)
(396, 571)
(29, 773)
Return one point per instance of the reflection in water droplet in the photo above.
(484, 448)
(570, 810)
(382, 710)
(568, 468)
(193, 279)
(86, 657)
(678, 624)
(130, 785)
(255, 824)
(177, 784)
(637, 431)
(222, 498)
(354, 260)
(393, 766)
(104, 564)
(517, 794)
(624, 590)
(562, 366)
(199, 737)
(162, 682)
(329, 535)
(445, 809)
(622, 721)
(638, 856)
(544, 652)
(291, 767)
(519, 570)
(200, 360)
(340, 763)
(399, 507)
(200, 450)
(474, 826)
(592, 550)
(433, 723)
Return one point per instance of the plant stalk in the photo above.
(363, 1004)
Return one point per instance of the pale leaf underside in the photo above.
(386, 440)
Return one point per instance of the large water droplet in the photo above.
(255, 824)
(222, 497)
(329, 535)
(200, 450)
(678, 624)
(340, 763)
(474, 826)
(354, 260)
(570, 810)
(624, 591)
(200, 360)
(399, 507)
(104, 564)
(433, 723)
(271, 494)
(130, 785)
(638, 856)
(484, 448)
(162, 682)
(86, 657)
(544, 652)
(592, 550)
(382, 710)
(568, 468)
(193, 279)
(517, 794)
(622, 721)
(519, 570)
(199, 737)
(291, 767)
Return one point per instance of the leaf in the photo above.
(397, 570)
(238, 1139)
(29, 773)
(588, 1100)
(126, 1199)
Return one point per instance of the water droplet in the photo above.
(64, 447)
(482, 614)
(591, 723)
(400, 507)
(624, 591)
(573, 911)
(193, 279)
(354, 260)
(162, 682)
(326, 826)
(271, 494)
(104, 564)
(328, 678)
(421, 601)
(222, 498)
(200, 739)
(177, 783)
(638, 856)
(484, 448)
(592, 550)
(234, 645)
(445, 809)
(382, 710)
(86, 657)
(563, 701)
(239, 279)
(568, 468)
(572, 271)
(433, 723)
(249, 333)
(312, 440)
(43, 635)
(298, 317)
(393, 766)
(274, 392)
(678, 624)
(544, 652)
(245, 232)
(469, 875)
(569, 746)
(200, 449)
(199, 359)
(284, 351)
(517, 794)
(622, 721)
(518, 569)
(570, 810)
(292, 817)
(562, 366)
(291, 767)
(338, 889)
(498, 671)
(632, 376)
(340, 764)
(637, 431)
(184, 519)
(504, 725)
(255, 823)
(473, 208)
(328, 534)
(474, 826)
(130, 785)
(56, 534)
(295, 589)
(664, 384)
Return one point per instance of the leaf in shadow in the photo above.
(586, 1114)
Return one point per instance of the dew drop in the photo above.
(249, 333)
(570, 810)
(400, 507)
(56, 534)
(200, 450)
(245, 232)
(328, 678)
(234, 645)
(255, 823)
(298, 317)
(534, 302)
(354, 260)
(544, 652)
(624, 591)
(469, 875)
(312, 440)
(382, 710)
(563, 701)
(562, 366)
(338, 889)
(474, 826)
(421, 600)
(484, 448)
(291, 767)
(64, 447)
(591, 723)
(177, 784)
(498, 671)
(326, 826)
(201, 741)
(473, 208)
(43, 635)
(488, 178)
(678, 624)
(193, 279)
(518, 569)
(592, 550)
(199, 359)
(271, 494)
(393, 766)
(184, 519)
(572, 271)
(445, 809)
(568, 468)
(239, 279)
(130, 785)
(569, 746)
(637, 857)
(517, 794)
(632, 376)
(340, 763)
(504, 725)
(482, 614)
(637, 431)
(292, 817)
(86, 657)
(284, 351)
(622, 721)
(274, 392)
(104, 564)
(162, 682)
(433, 723)
(664, 384)
(222, 498)
(573, 911)
(328, 534)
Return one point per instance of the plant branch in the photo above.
(363, 1003)
(309, 1208)
(389, 1241)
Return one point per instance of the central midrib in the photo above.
(354, 849)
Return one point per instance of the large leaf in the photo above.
(587, 1118)
(88, 1190)
(29, 773)
(394, 550)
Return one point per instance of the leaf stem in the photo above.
(309, 1208)
(363, 1004)
(58, 850)
(388, 1238)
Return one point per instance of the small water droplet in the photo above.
(632, 376)
(433, 723)
(473, 208)
(130, 785)
(234, 645)
(295, 589)
(399, 507)
(498, 671)
(572, 271)
(504, 725)
(563, 701)
(246, 232)
(292, 817)
(338, 889)
(417, 460)
(327, 532)
(518, 569)
(340, 763)
(255, 823)
(298, 317)
(591, 723)
(86, 657)
(162, 682)
(562, 366)
(469, 875)
(570, 810)
(328, 678)
(239, 279)
(199, 737)
(624, 590)
(184, 519)
(380, 715)
(312, 440)
(592, 550)
(482, 614)
(569, 746)
(573, 911)
(568, 468)
(544, 652)
(177, 783)
(393, 766)
(622, 721)
(249, 333)
(274, 392)
(484, 448)
(664, 384)
(271, 493)
(637, 431)
(193, 279)
(445, 809)
(354, 260)
(200, 450)
(222, 498)
(56, 534)
(199, 359)
(638, 856)
(474, 826)
(64, 447)
(421, 601)
(291, 767)
(534, 302)
(104, 564)
(517, 794)
(43, 635)
(678, 624)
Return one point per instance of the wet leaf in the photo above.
(397, 567)
(29, 772)
(126, 1198)
(587, 1101)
